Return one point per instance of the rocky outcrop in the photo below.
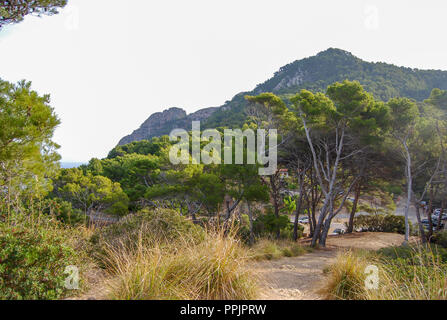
(162, 123)
(291, 81)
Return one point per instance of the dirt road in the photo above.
(300, 278)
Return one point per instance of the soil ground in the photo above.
(300, 278)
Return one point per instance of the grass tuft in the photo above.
(405, 273)
(213, 269)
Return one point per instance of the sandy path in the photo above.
(300, 278)
(297, 278)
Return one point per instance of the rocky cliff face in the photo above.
(162, 123)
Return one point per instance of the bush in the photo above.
(268, 224)
(440, 238)
(160, 226)
(64, 211)
(381, 223)
(34, 253)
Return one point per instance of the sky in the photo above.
(109, 64)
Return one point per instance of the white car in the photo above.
(338, 232)
(303, 220)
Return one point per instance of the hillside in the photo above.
(315, 73)
(162, 123)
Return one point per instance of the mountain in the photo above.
(162, 123)
(314, 73)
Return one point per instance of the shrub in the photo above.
(267, 225)
(380, 223)
(64, 211)
(160, 226)
(440, 238)
(34, 253)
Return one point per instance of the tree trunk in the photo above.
(317, 231)
(312, 204)
(228, 210)
(297, 214)
(421, 228)
(409, 192)
(325, 232)
(250, 218)
(9, 197)
(438, 227)
(354, 208)
(275, 201)
(429, 213)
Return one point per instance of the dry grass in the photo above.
(212, 269)
(415, 273)
(266, 249)
(346, 278)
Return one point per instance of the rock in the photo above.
(162, 123)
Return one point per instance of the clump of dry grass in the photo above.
(212, 269)
(266, 249)
(346, 278)
(415, 273)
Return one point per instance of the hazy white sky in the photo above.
(109, 64)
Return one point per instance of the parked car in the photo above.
(434, 223)
(303, 220)
(435, 216)
(338, 232)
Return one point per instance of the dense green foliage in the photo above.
(28, 158)
(266, 225)
(380, 223)
(34, 253)
(91, 193)
(440, 238)
(144, 147)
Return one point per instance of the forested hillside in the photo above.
(316, 73)
(384, 81)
